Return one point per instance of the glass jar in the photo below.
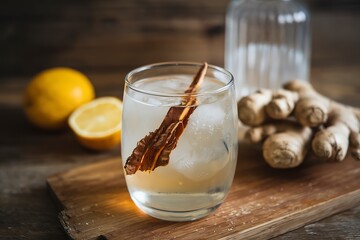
(267, 43)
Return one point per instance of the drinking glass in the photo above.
(201, 167)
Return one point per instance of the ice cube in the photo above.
(207, 116)
(205, 125)
(179, 157)
(202, 150)
(199, 163)
(153, 101)
(165, 84)
(139, 119)
(177, 84)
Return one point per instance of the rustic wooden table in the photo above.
(97, 39)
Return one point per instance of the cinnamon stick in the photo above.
(154, 149)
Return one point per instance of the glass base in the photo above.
(176, 216)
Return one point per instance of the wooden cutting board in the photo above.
(262, 203)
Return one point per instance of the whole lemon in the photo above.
(53, 94)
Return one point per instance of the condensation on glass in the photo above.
(267, 43)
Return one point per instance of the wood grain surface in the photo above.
(106, 39)
(262, 203)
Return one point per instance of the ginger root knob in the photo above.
(287, 149)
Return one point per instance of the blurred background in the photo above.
(106, 39)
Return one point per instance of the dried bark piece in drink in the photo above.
(154, 149)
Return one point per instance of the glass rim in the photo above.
(183, 64)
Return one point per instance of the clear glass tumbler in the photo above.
(201, 167)
(267, 43)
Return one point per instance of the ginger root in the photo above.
(355, 145)
(290, 122)
(285, 142)
(332, 142)
(251, 109)
(257, 108)
(312, 108)
(281, 104)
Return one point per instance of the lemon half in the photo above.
(97, 124)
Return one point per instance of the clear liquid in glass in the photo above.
(201, 167)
